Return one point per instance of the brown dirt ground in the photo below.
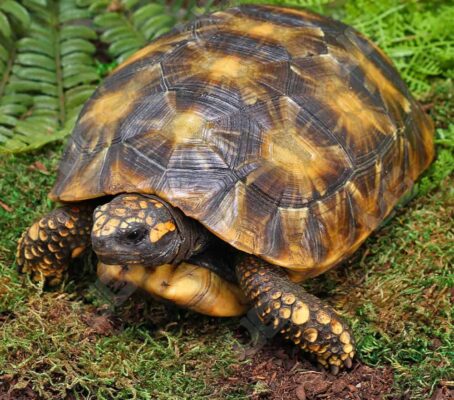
(278, 372)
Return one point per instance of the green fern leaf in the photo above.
(51, 73)
(131, 24)
(17, 11)
(5, 27)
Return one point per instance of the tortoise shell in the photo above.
(287, 134)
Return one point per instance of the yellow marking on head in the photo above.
(131, 220)
(141, 214)
(336, 327)
(98, 223)
(149, 220)
(120, 212)
(77, 251)
(160, 230)
(33, 231)
(285, 313)
(143, 204)
(323, 317)
(157, 204)
(109, 227)
(300, 313)
(310, 334)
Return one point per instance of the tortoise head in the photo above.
(137, 229)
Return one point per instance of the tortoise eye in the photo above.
(135, 235)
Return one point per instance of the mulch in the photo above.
(278, 372)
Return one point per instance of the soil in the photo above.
(277, 372)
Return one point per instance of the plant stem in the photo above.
(58, 66)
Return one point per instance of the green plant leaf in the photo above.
(5, 27)
(16, 10)
(39, 99)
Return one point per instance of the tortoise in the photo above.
(232, 159)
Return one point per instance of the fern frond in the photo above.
(14, 18)
(50, 74)
(314, 5)
(128, 25)
(417, 36)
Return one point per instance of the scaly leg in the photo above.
(306, 320)
(45, 249)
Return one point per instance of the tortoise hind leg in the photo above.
(301, 317)
(45, 249)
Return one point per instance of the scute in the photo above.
(287, 134)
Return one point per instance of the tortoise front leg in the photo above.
(45, 249)
(306, 320)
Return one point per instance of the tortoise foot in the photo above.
(45, 248)
(301, 317)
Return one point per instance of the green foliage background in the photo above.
(395, 293)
